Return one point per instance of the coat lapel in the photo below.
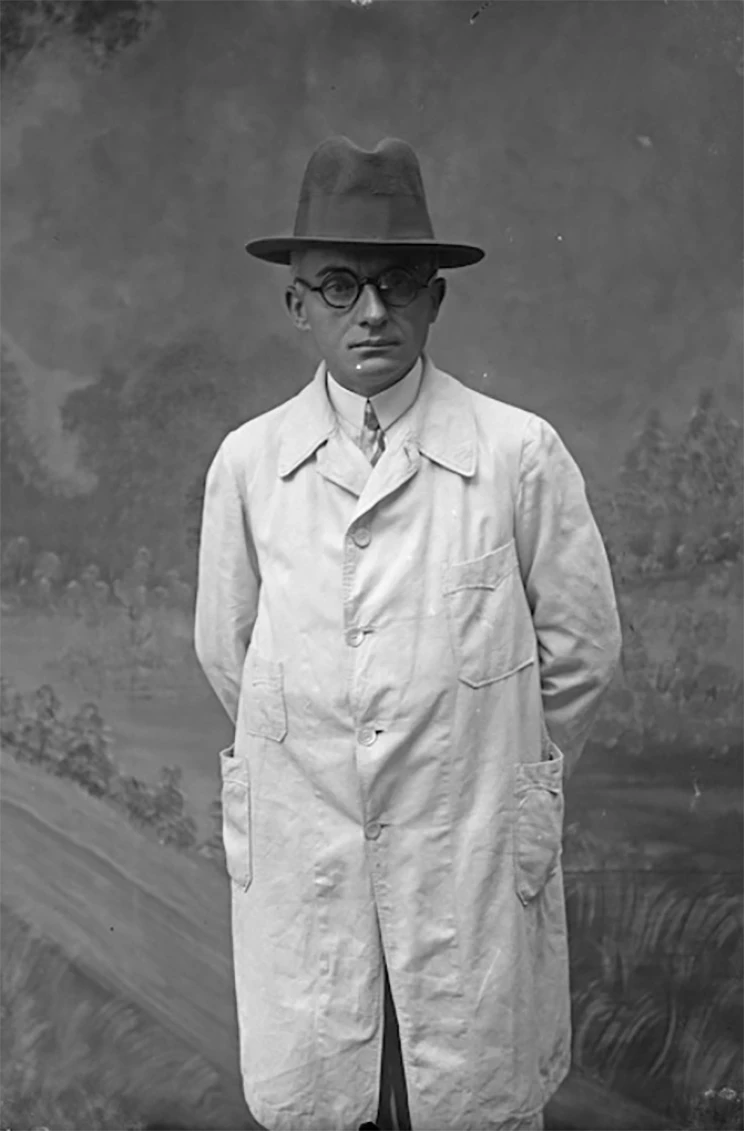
(340, 462)
(395, 468)
(441, 428)
(308, 423)
(443, 422)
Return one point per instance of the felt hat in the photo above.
(364, 199)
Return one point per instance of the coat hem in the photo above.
(280, 1119)
(275, 1119)
(554, 1081)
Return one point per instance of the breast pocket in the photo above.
(236, 818)
(538, 826)
(489, 618)
(263, 709)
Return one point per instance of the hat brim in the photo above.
(279, 249)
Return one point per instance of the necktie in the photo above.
(372, 440)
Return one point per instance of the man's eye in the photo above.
(338, 286)
(398, 283)
(395, 278)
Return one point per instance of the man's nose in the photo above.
(371, 307)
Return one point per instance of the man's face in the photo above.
(373, 344)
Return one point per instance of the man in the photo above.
(405, 607)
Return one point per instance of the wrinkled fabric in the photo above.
(412, 656)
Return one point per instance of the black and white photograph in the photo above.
(372, 532)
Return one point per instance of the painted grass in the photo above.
(657, 991)
(74, 1057)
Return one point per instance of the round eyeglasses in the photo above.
(341, 289)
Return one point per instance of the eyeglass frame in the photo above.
(368, 280)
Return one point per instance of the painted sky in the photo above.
(593, 149)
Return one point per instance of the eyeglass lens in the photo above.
(396, 287)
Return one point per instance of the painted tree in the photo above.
(704, 485)
(87, 759)
(16, 561)
(641, 492)
(679, 500)
(20, 463)
(102, 27)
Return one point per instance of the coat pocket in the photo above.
(264, 711)
(538, 829)
(489, 618)
(236, 818)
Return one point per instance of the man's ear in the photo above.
(437, 290)
(295, 305)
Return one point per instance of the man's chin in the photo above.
(374, 372)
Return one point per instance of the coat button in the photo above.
(361, 537)
(373, 830)
(367, 736)
(354, 637)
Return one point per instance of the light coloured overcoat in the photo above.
(412, 658)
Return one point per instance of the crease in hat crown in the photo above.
(365, 198)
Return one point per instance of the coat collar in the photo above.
(442, 422)
(308, 422)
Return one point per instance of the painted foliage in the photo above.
(595, 152)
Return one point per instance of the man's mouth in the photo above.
(376, 344)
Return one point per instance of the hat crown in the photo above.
(349, 193)
(339, 166)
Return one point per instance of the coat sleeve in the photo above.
(228, 582)
(569, 588)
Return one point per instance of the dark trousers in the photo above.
(393, 1113)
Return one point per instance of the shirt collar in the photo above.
(389, 405)
(443, 423)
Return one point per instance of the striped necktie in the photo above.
(372, 440)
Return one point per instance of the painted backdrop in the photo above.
(595, 151)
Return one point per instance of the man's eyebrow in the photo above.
(333, 267)
(322, 271)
